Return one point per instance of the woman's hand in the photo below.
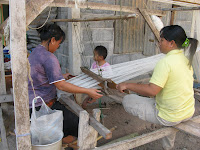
(94, 93)
(121, 87)
(68, 76)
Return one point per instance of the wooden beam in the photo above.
(4, 1)
(96, 19)
(19, 73)
(2, 72)
(177, 2)
(3, 132)
(107, 134)
(173, 14)
(6, 98)
(139, 140)
(145, 138)
(190, 127)
(34, 8)
(181, 9)
(150, 23)
(189, 1)
(101, 6)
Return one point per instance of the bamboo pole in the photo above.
(96, 18)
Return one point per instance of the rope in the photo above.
(43, 23)
(29, 76)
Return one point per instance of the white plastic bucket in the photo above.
(53, 146)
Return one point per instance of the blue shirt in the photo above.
(45, 70)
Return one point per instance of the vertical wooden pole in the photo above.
(173, 14)
(74, 32)
(19, 73)
(2, 91)
(2, 72)
(87, 135)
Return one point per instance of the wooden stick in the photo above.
(101, 6)
(181, 9)
(143, 139)
(96, 18)
(150, 23)
(102, 130)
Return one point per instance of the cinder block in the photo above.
(120, 58)
(65, 61)
(98, 35)
(59, 56)
(88, 51)
(136, 56)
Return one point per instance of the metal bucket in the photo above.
(53, 146)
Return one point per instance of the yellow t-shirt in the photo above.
(175, 101)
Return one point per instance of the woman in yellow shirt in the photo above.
(171, 83)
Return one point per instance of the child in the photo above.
(100, 67)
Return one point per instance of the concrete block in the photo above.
(88, 51)
(65, 61)
(136, 56)
(105, 34)
(65, 48)
(59, 56)
(116, 59)
(96, 24)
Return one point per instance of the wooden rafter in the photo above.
(101, 6)
(189, 3)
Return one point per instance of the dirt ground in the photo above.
(115, 115)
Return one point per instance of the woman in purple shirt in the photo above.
(47, 76)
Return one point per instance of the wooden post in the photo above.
(2, 72)
(19, 73)
(173, 14)
(2, 92)
(87, 136)
(74, 37)
(107, 134)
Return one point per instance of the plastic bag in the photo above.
(46, 124)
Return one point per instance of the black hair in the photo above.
(177, 33)
(102, 51)
(49, 31)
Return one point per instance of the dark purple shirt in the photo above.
(45, 70)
